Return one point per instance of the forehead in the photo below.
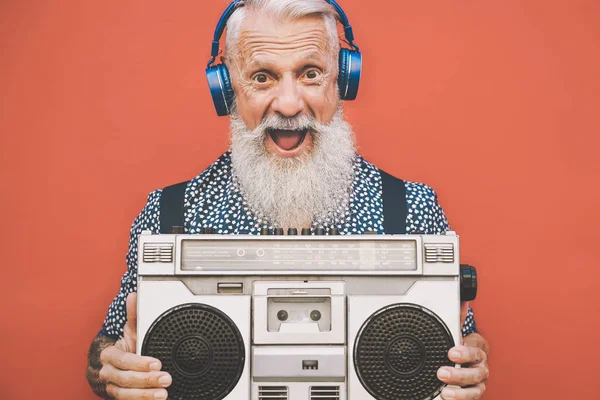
(265, 38)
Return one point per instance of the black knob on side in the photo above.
(292, 231)
(334, 231)
(468, 282)
(306, 231)
(320, 231)
(278, 231)
(266, 231)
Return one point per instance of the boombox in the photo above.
(285, 317)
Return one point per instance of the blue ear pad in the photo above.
(220, 88)
(350, 65)
(342, 74)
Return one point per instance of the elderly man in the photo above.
(292, 163)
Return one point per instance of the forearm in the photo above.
(94, 365)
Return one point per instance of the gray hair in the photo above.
(282, 10)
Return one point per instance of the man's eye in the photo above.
(312, 74)
(261, 78)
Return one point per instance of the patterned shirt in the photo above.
(213, 199)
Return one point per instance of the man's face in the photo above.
(284, 68)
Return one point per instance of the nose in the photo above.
(288, 100)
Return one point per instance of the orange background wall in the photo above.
(493, 103)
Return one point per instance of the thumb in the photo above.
(464, 310)
(132, 309)
(129, 339)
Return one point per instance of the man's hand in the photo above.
(474, 372)
(127, 375)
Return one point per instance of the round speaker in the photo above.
(398, 351)
(200, 347)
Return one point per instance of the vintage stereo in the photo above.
(284, 317)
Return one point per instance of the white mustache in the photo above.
(300, 122)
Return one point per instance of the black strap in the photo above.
(171, 206)
(394, 204)
(393, 194)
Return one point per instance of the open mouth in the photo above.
(287, 140)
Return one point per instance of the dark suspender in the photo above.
(171, 206)
(394, 204)
(393, 194)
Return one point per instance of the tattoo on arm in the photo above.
(94, 365)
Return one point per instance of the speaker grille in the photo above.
(325, 393)
(398, 351)
(272, 393)
(158, 253)
(439, 253)
(200, 347)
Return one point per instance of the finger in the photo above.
(467, 355)
(134, 379)
(470, 393)
(476, 340)
(463, 376)
(136, 394)
(126, 361)
(464, 310)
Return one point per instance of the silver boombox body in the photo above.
(244, 317)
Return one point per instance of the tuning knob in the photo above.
(334, 231)
(278, 231)
(292, 231)
(320, 231)
(266, 231)
(306, 231)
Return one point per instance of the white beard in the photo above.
(295, 192)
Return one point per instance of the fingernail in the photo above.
(162, 395)
(448, 393)
(164, 380)
(155, 366)
(454, 355)
(443, 374)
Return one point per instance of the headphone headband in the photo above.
(214, 51)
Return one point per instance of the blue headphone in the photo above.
(350, 64)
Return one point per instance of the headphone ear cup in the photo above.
(343, 72)
(350, 65)
(220, 87)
